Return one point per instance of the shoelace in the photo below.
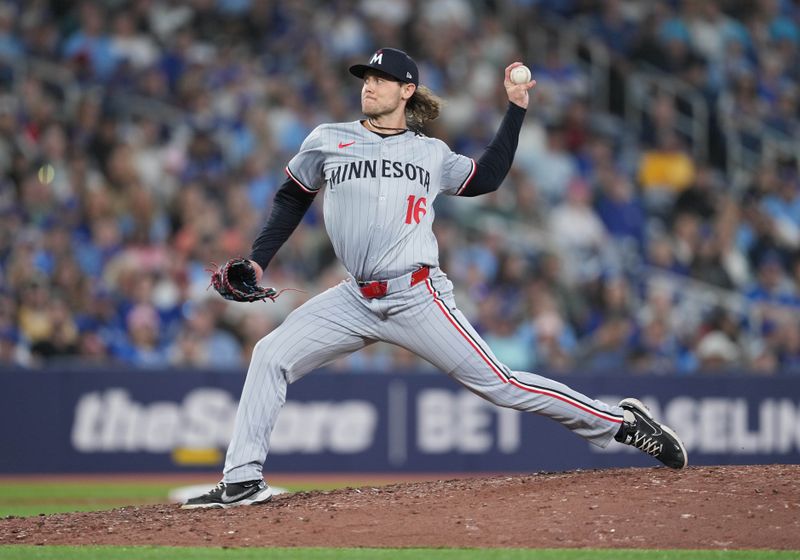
(647, 444)
(217, 489)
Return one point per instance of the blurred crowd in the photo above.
(143, 140)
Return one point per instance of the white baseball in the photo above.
(520, 75)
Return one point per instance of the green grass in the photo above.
(31, 499)
(179, 553)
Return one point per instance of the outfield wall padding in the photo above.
(117, 420)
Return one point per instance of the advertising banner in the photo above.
(158, 421)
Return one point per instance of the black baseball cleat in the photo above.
(226, 495)
(640, 430)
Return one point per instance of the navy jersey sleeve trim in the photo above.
(288, 208)
(494, 164)
(468, 179)
(299, 182)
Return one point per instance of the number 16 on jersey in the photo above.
(417, 208)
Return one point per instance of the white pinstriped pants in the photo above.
(424, 319)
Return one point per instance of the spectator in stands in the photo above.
(782, 116)
(739, 57)
(707, 263)
(663, 324)
(771, 23)
(12, 351)
(205, 162)
(554, 342)
(756, 233)
(771, 283)
(687, 231)
(619, 207)
(702, 197)
(785, 343)
(187, 350)
(762, 360)
(10, 45)
(664, 172)
(558, 83)
(742, 110)
(676, 54)
(719, 342)
(34, 319)
(250, 326)
(610, 297)
(576, 126)
(144, 346)
(772, 79)
(606, 350)
(614, 28)
(716, 352)
(549, 278)
(646, 48)
(528, 205)
(61, 340)
(40, 33)
(93, 349)
(201, 342)
(734, 259)
(597, 157)
(577, 230)
(89, 49)
(659, 346)
(129, 46)
(502, 324)
(782, 206)
(553, 167)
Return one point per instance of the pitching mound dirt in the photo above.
(700, 507)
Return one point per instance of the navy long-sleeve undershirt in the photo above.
(494, 164)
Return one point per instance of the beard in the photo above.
(374, 111)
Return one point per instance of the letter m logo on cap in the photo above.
(377, 58)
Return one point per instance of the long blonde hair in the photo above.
(422, 107)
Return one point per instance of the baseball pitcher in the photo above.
(380, 178)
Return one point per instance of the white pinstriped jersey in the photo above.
(379, 194)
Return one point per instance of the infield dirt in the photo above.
(729, 507)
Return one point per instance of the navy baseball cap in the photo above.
(390, 61)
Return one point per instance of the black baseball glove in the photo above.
(236, 280)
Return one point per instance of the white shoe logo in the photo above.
(656, 428)
(227, 498)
